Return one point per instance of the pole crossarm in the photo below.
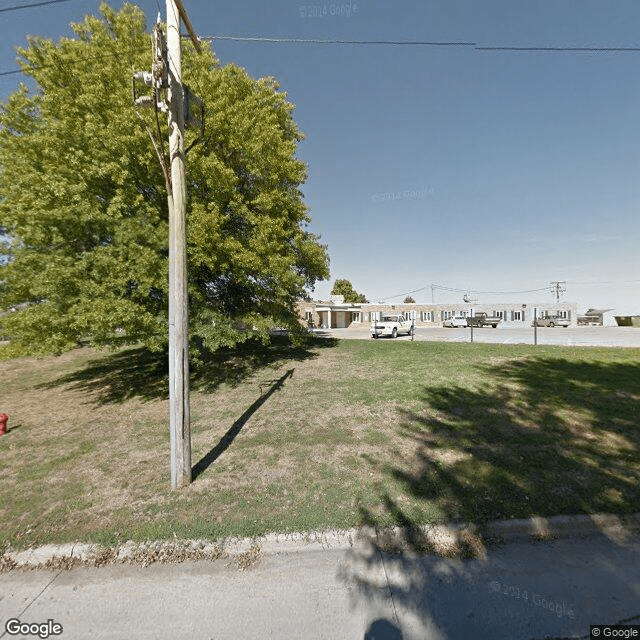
(187, 23)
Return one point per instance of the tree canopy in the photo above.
(344, 288)
(83, 199)
(409, 300)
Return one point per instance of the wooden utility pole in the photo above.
(166, 75)
(179, 418)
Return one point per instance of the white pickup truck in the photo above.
(391, 326)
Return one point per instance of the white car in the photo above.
(391, 326)
(455, 321)
(551, 321)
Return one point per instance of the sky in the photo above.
(441, 170)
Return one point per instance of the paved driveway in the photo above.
(571, 336)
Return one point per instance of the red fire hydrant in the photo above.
(4, 418)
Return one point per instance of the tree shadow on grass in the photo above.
(546, 437)
(204, 463)
(139, 373)
(541, 437)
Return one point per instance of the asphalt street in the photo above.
(519, 590)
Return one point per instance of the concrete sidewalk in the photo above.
(370, 588)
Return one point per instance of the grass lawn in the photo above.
(333, 434)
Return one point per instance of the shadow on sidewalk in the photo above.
(382, 629)
(541, 437)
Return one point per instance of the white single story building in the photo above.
(338, 314)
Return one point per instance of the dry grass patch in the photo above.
(329, 434)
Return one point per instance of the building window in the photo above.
(427, 316)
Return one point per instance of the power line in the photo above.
(452, 289)
(357, 42)
(576, 49)
(416, 43)
(360, 42)
(10, 73)
(495, 293)
(405, 294)
(28, 6)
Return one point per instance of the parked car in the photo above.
(481, 319)
(391, 326)
(551, 321)
(455, 321)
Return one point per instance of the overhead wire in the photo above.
(506, 293)
(452, 289)
(422, 43)
(573, 49)
(29, 6)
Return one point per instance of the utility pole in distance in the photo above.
(559, 288)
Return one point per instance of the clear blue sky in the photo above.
(492, 171)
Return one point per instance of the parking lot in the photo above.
(588, 336)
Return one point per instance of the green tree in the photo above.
(409, 300)
(83, 199)
(344, 288)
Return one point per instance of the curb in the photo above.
(618, 528)
(442, 539)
